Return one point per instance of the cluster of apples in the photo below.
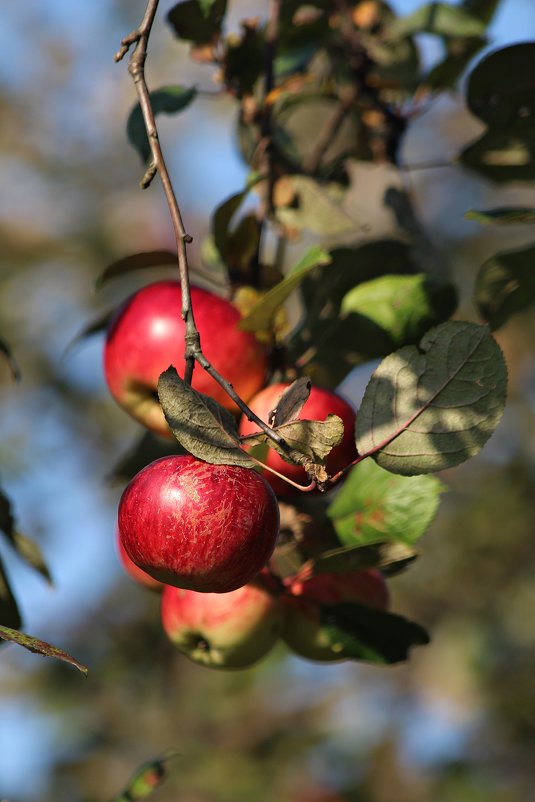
(203, 533)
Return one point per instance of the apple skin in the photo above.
(146, 336)
(319, 404)
(302, 624)
(187, 523)
(222, 630)
(135, 573)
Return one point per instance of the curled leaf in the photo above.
(292, 401)
(308, 443)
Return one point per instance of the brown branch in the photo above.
(139, 39)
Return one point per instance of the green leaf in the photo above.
(319, 209)
(9, 609)
(10, 359)
(441, 19)
(27, 549)
(376, 505)
(201, 425)
(503, 216)
(136, 261)
(502, 154)
(167, 100)
(430, 408)
(190, 22)
(403, 306)
(40, 647)
(389, 557)
(362, 633)
(501, 87)
(147, 778)
(262, 314)
(505, 285)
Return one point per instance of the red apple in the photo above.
(146, 335)
(319, 404)
(302, 626)
(209, 528)
(222, 630)
(135, 573)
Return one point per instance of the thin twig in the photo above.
(139, 40)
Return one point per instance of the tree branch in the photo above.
(139, 40)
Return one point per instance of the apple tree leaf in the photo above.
(318, 209)
(262, 314)
(147, 778)
(361, 633)
(136, 261)
(308, 441)
(376, 505)
(167, 100)
(503, 216)
(440, 19)
(40, 647)
(505, 284)
(501, 88)
(9, 609)
(431, 407)
(292, 401)
(201, 425)
(388, 557)
(197, 21)
(27, 549)
(403, 306)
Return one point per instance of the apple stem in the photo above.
(302, 488)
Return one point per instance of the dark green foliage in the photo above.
(505, 285)
(371, 635)
(190, 21)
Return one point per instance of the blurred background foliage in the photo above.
(458, 721)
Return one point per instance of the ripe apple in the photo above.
(137, 574)
(319, 404)
(187, 523)
(302, 624)
(222, 630)
(146, 335)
